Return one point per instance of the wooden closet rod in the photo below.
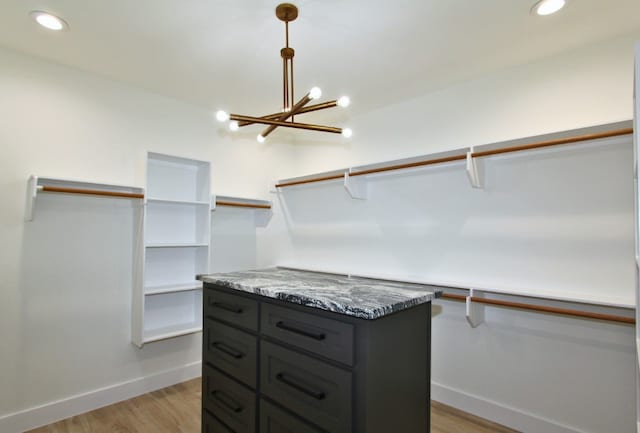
(237, 204)
(454, 297)
(556, 142)
(49, 188)
(544, 309)
(460, 157)
(411, 165)
(315, 179)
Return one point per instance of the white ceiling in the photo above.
(225, 53)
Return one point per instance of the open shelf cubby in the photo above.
(173, 223)
(177, 179)
(166, 267)
(172, 314)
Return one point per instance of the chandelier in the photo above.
(288, 12)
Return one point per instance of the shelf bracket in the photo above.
(472, 170)
(32, 192)
(356, 186)
(474, 311)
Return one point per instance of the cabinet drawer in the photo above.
(319, 335)
(231, 350)
(310, 388)
(234, 309)
(211, 425)
(229, 401)
(275, 420)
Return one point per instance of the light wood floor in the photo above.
(177, 410)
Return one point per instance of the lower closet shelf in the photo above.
(171, 331)
(172, 314)
(172, 288)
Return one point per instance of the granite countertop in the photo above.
(354, 296)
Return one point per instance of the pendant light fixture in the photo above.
(288, 12)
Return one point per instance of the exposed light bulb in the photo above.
(260, 138)
(233, 125)
(548, 7)
(344, 101)
(49, 21)
(347, 132)
(315, 93)
(222, 116)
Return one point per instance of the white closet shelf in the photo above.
(177, 245)
(172, 288)
(171, 331)
(610, 301)
(37, 184)
(178, 202)
(357, 188)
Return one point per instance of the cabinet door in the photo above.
(310, 388)
(326, 337)
(210, 424)
(230, 308)
(231, 350)
(275, 420)
(230, 402)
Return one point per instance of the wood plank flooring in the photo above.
(177, 410)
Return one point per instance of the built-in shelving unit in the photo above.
(177, 222)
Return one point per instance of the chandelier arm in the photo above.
(308, 126)
(307, 109)
(284, 116)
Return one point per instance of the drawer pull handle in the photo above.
(227, 401)
(290, 328)
(318, 395)
(227, 307)
(225, 348)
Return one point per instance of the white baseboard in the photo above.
(496, 412)
(61, 409)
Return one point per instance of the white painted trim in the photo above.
(38, 416)
(496, 412)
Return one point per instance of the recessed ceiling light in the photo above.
(548, 7)
(49, 21)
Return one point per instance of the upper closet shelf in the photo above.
(37, 185)
(354, 178)
(177, 202)
(225, 200)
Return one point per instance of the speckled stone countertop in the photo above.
(354, 296)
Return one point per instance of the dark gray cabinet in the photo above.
(275, 367)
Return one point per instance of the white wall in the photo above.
(554, 222)
(589, 86)
(558, 220)
(65, 293)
